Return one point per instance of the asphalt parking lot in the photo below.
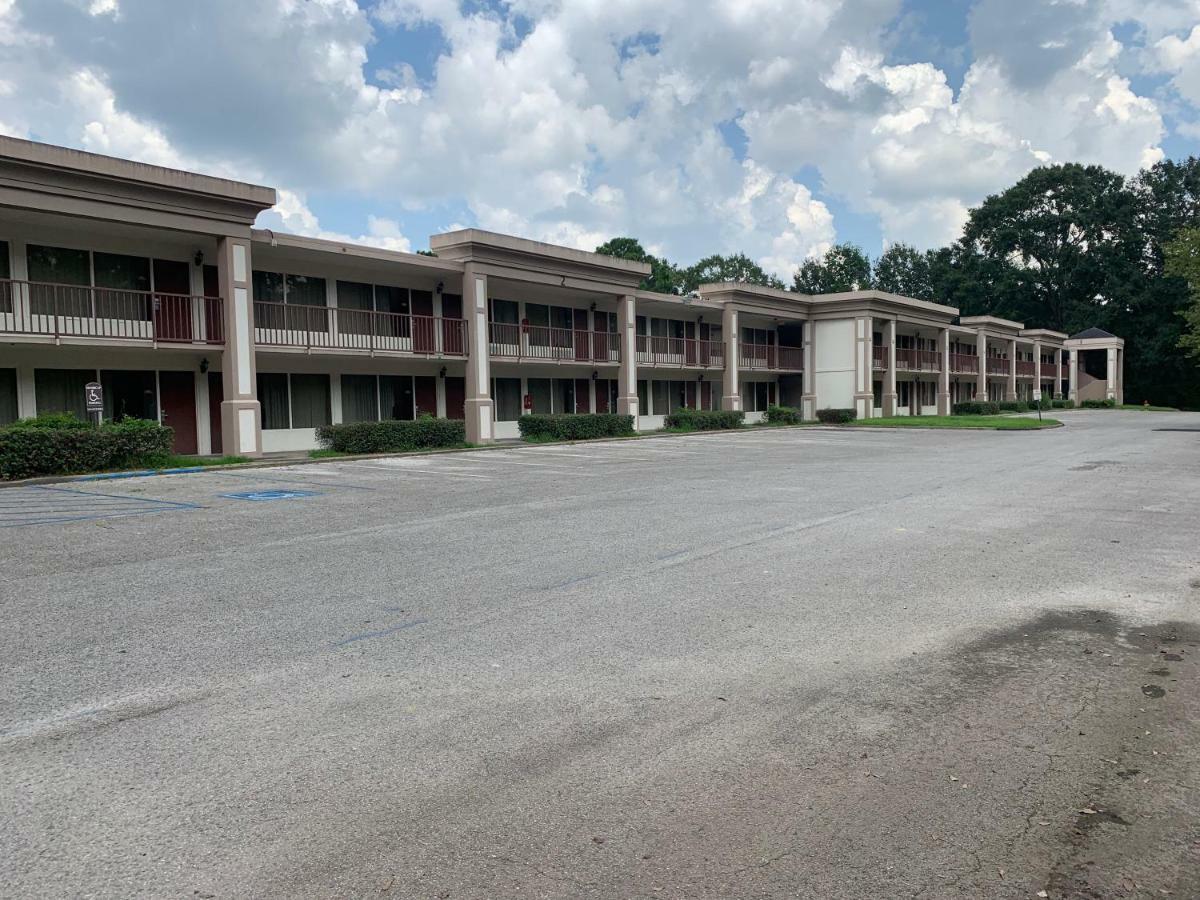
(795, 662)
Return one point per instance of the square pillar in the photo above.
(1037, 371)
(889, 375)
(808, 401)
(241, 415)
(981, 392)
(479, 384)
(1110, 386)
(731, 398)
(627, 395)
(943, 396)
(1010, 393)
(864, 340)
(1073, 376)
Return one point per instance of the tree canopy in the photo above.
(844, 267)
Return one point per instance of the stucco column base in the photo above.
(479, 420)
(628, 406)
(943, 404)
(731, 402)
(808, 407)
(864, 405)
(241, 428)
(889, 404)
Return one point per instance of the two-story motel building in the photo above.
(155, 283)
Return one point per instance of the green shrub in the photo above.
(578, 427)
(62, 445)
(1013, 406)
(976, 408)
(705, 419)
(784, 415)
(392, 436)
(1062, 404)
(1098, 404)
(836, 416)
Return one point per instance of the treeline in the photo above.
(1066, 247)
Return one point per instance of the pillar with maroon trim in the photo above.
(478, 405)
(241, 417)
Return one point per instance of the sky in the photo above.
(770, 127)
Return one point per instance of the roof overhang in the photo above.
(1043, 335)
(1096, 343)
(994, 325)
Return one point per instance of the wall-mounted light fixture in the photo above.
(441, 286)
(198, 259)
(595, 375)
(203, 362)
(442, 374)
(593, 306)
(700, 378)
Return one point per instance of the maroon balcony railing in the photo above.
(331, 328)
(997, 366)
(1026, 368)
(770, 356)
(512, 341)
(669, 351)
(1049, 370)
(964, 364)
(69, 310)
(879, 357)
(912, 360)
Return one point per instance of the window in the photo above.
(304, 290)
(267, 287)
(273, 399)
(8, 396)
(877, 392)
(506, 312)
(391, 300)
(660, 397)
(125, 277)
(355, 295)
(748, 396)
(360, 398)
(507, 392)
(310, 401)
(61, 390)
(56, 268)
(396, 397)
(564, 395)
(606, 322)
(540, 391)
(643, 392)
(130, 395)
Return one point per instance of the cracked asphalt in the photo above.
(786, 662)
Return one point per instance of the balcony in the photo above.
(1051, 370)
(771, 357)
(1026, 368)
(679, 352)
(964, 364)
(538, 343)
(911, 360)
(879, 357)
(56, 311)
(997, 366)
(331, 328)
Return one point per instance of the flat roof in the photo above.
(491, 239)
(350, 250)
(992, 320)
(913, 302)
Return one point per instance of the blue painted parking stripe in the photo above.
(171, 503)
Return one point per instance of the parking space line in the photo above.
(413, 470)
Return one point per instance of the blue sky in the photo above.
(772, 127)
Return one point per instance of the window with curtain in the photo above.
(310, 401)
(748, 396)
(762, 396)
(130, 394)
(305, 291)
(360, 398)
(273, 399)
(564, 395)
(661, 397)
(540, 391)
(64, 277)
(267, 287)
(61, 390)
(508, 399)
(396, 397)
(506, 312)
(356, 303)
(8, 396)
(125, 279)
(643, 389)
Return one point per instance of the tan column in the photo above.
(479, 386)
(981, 392)
(864, 397)
(1037, 371)
(627, 395)
(1072, 375)
(943, 397)
(731, 395)
(889, 377)
(1010, 392)
(1120, 382)
(241, 416)
(808, 402)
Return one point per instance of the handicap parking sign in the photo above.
(259, 496)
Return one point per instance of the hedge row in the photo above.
(705, 419)
(1062, 404)
(784, 415)
(64, 445)
(991, 408)
(1098, 404)
(393, 436)
(836, 416)
(578, 427)
(975, 408)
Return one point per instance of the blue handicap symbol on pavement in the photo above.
(258, 496)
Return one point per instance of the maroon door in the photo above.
(425, 391)
(172, 301)
(706, 394)
(581, 335)
(602, 390)
(691, 394)
(422, 323)
(456, 398)
(583, 403)
(453, 340)
(216, 393)
(177, 403)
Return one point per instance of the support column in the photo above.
(943, 397)
(26, 392)
(864, 396)
(808, 401)
(479, 383)
(1110, 371)
(241, 415)
(731, 396)
(1010, 392)
(1037, 371)
(1120, 385)
(889, 376)
(1061, 358)
(627, 395)
(1073, 376)
(981, 391)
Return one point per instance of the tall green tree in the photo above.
(905, 270)
(844, 267)
(664, 278)
(735, 268)
(1183, 262)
